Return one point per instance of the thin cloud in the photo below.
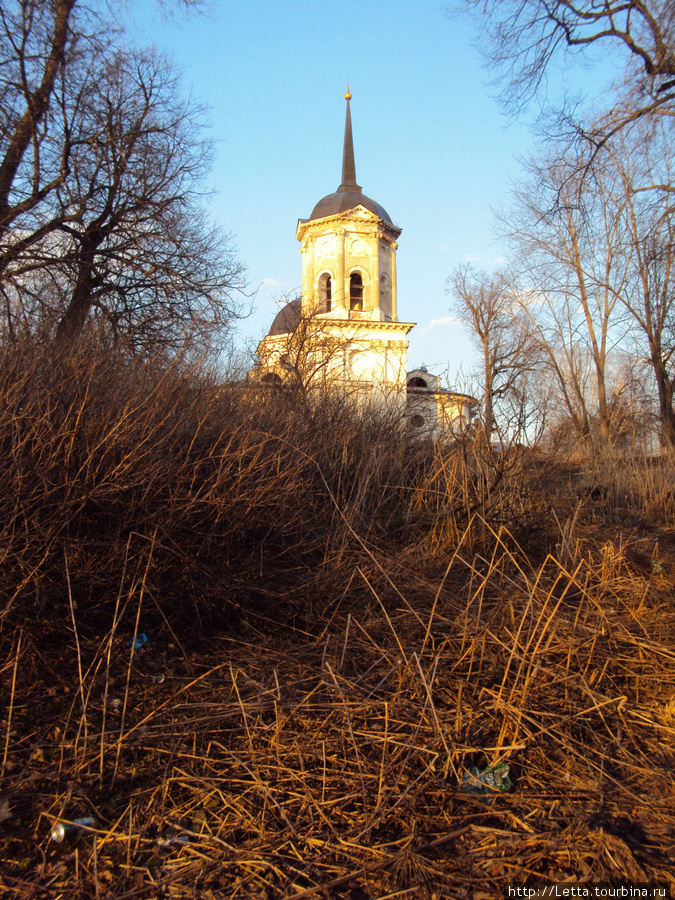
(440, 323)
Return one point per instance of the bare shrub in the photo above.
(341, 623)
(105, 455)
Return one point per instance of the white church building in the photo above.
(344, 332)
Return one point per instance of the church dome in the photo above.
(341, 201)
(287, 319)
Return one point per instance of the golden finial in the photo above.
(348, 96)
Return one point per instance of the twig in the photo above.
(79, 657)
(373, 867)
(11, 705)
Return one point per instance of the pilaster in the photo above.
(394, 307)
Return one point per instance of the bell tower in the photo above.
(348, 248)
(343, 333)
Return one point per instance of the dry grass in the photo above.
(340, 625)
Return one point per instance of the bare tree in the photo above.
(522, 37)
(137, 250)
(101, 212)
(35, 47)
(592, 225)
(315, 355)
(568, 240)
(638, 167)
(304, 352)
(488, 307)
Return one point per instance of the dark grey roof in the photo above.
(341, 201)
(287, 319)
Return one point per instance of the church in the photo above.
(344, 332)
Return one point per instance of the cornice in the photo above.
(344, 218)
(373, 324)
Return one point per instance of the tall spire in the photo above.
(349, 184)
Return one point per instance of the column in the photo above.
(309, 298)
(343, 291)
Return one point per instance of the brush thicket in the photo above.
(341, 622)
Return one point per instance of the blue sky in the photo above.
(431, 143)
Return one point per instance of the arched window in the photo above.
(271, 378)
(325, 291)
(417, 382)
(355, 291)
(417, 421)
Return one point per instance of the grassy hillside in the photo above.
(340, 622)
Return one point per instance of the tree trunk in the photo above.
(664, 387)
(82, 298)
(37, 104)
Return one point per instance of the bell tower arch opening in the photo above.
(356, 291)
(325, 292)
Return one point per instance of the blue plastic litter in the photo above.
(138, 642)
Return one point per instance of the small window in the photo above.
(271, 378)
(326, 291)
(417, 422)
(355, 291)
(417, 382)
